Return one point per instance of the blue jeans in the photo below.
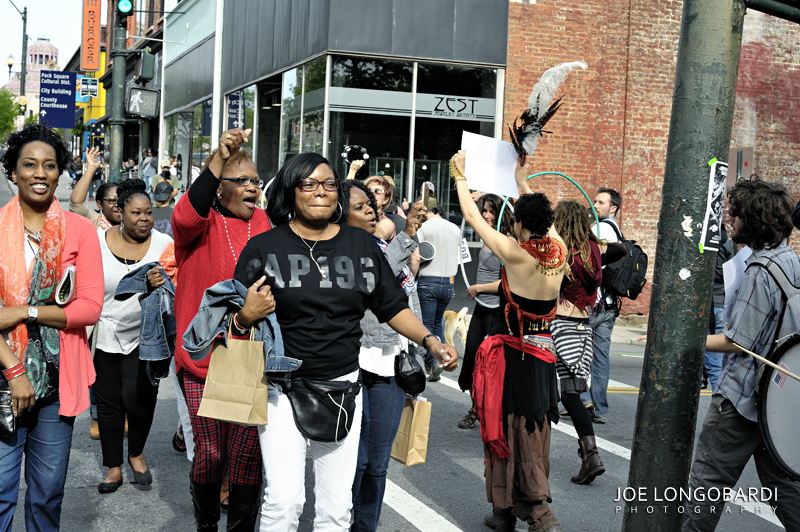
(713, 361)
(45, 440)
(435, 294)
(383, 407)
(602, 324)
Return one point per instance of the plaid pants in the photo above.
(215, 442)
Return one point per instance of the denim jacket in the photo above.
(157, 334)
(219, 304)
(374, 333)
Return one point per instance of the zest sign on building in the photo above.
(90, 40)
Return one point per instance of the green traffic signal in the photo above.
(124, 7)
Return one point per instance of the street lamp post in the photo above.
(24, 14)
(10, 62)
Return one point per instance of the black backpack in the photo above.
(626, 277)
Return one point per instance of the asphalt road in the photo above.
(446, 494)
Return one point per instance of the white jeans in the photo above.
(283, 450)
(183, 413)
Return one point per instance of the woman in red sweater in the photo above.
(43, 351)
(211, 225)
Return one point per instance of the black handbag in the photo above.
(8, 421)
(409, 374)
(323, 410)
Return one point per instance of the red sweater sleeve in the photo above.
(187, 225)
(83, 250)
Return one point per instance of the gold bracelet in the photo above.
(454, 171)
(458, 179)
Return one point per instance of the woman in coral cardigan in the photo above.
(44, 353)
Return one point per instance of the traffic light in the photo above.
(124, 8)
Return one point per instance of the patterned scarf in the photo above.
(405, 277)
(37, 346)
(103, 223)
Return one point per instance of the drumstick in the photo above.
(768, 363)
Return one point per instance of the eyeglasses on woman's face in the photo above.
(310, 185)
(244, 181)
(110, 201)
(378, 191)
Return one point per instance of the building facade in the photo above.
(42, 55)
(404, 78)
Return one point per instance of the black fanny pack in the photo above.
(323, 410)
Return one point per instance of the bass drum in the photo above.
(779, 399)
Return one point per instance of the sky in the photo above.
(58, 20)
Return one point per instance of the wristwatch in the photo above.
(33, 314)
(424, 340)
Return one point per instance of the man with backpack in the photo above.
(760, 213)
(607, 203)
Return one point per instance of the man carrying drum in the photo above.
(761, 218)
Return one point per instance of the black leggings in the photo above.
(482, 321)
(122, 387)
(581, 419)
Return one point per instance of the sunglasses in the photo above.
(378, 190)
(243, 181)
(110, 201)
(310, 185)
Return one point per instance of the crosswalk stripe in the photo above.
(415, 511)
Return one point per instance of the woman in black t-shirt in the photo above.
(323, 277)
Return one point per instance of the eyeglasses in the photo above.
(243, 181)
(310, 185)
(378, 190)
(110, 201)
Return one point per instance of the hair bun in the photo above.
(132, 186)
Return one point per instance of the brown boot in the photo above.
(551, 525)
(501, 520)
(591, 465)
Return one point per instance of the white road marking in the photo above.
(766, 512)
(415, 511)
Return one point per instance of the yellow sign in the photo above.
(23, 100)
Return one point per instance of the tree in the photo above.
(33, 119)
(8, 113)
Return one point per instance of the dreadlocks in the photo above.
(573, 224)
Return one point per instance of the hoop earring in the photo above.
(341, 211)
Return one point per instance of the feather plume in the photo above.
(526, 130)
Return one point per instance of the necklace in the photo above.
(225, 224)
(311, 248)
(36, 236)
(125, 255)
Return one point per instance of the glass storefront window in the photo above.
(269, 127)
(369, 73)
(384, 137)
(313, 104)
(201, 131)
(179, 143)
(291, 107)
(456, 80)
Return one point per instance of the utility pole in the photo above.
(119, 54)
(22, 67)
(700, 130)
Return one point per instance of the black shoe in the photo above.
(435, 373)
(205, 499)
(179, 443)
(501, 521)
(109, 487)
(244, 503)
(468, 421)
(141, 481)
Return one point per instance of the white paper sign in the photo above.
(465, 256)
(490, 164)
(733, 272)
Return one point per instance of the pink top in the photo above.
(76, 369)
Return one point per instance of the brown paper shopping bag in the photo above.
(411, 442)
(236, 388)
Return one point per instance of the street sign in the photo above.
(57, 99)
(89, 87)
(235, 110)
(142, 102)
(23, 100)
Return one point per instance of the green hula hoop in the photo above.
(585, 195)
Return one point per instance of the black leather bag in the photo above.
(409, 374)
(323, 410)
(8, 422)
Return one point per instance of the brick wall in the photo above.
(613, 128)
